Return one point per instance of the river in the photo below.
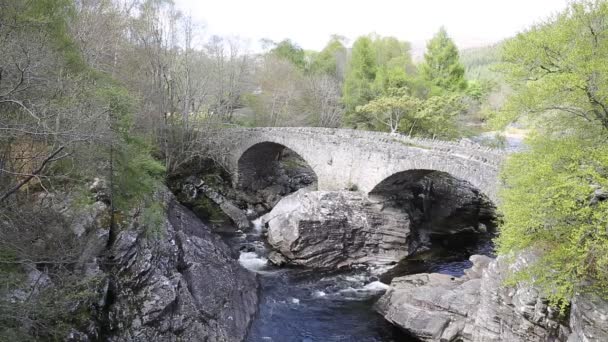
(302, 305)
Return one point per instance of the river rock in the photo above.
(328, 229)
(276, 258)
(474, 307)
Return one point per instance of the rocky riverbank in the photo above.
(480, 307)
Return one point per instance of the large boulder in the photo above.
(328, 229)
(339, 228)
(474, 307)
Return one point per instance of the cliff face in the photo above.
(187, 285)
(165, 281)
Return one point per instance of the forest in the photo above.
(129, 91)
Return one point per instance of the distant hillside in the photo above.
(479, 61)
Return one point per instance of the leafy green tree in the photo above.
(437, 117)
(553, 201)
(400, 111)
(442, 67)
(561, 67)
(389, 49)
(390, 77)
(550, 205)
(360, 75)
(330, 60)
(395, 66)
(390, 111)
(291, 52)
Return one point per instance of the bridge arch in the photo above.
(259, 164)
(402, 169)
(437, 202)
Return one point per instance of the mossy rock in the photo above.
(207, 210)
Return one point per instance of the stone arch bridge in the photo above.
(352, 159)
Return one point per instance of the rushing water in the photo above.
(301, 305)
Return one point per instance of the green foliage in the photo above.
(480, 63)
(326, 61)
(559, 74)
(442, 67)
(52, 17)
(50, 314)
(390, 77)
(437, 117)
(360, 75)
(153, 218)
(377, 65)
(392, 52)
(291, 52)
(434, 117)
(390, 111)
(548, 207)
(560, 67)
(136, 175)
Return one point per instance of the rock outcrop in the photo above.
(588, 318)
(185, 284)
(479, 307)
(170, 279)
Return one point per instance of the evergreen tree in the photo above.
(360, 75)
(442, 67)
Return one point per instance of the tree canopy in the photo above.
(442, 67)
(561, 68)
(554, 196)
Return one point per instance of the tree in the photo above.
(395, 66)
(392, 52)
(391, 110)
(331, 60)
(288, 50)
(437, 117)
(321, 101)
(560, 67)
(360, 74)
(442, 67)
(554, 204)
(277, 103)
(554, 199)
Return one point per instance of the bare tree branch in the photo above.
(31, 176)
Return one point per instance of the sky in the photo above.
(310, 23)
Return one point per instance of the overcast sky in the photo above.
(310, 22)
